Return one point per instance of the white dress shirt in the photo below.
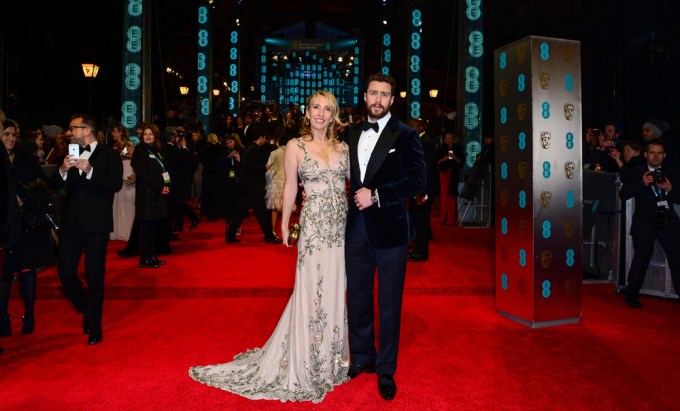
(367, 142)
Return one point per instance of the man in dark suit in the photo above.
(9, 210)
(251, 188)
(387, 168)
(652, 187)
(182, 164)
(420, 206)
(90, 182)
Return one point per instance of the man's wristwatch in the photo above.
(374, 195)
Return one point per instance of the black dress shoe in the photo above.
(272, 239)
(416, 257)
(95, 336)
(194, 224)
(354, 370)
(157, 261)
(148, 263)
(29, 324)
(387, 387)
(632, 301)
(231, 240)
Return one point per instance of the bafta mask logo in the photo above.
(546, 198)
(505, 142)
(522, 111)
(503, 87)
(504, 254)
(505, 198)
(522, 283)
(569, 229)
(522, 227)
(569, 287)
(546, 259)
(569, 169)
(522, 169)
(521, 52)
(544, 79)
(569, 111)
(545, 139)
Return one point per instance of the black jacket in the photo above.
(149, 165)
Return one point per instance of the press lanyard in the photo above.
(156, 156)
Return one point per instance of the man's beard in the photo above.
(380, 115)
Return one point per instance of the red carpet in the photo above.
(213, 300)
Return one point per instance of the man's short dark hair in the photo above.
(88, 120)
(655, 143)
(257, 132)
(383, 78)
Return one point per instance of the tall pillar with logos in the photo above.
(233, 72)
(132, 106)
(414, 93)
(204, 65)
(537, 107)
(470, 70)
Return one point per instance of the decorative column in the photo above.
(538, 172)
(131, 94)
(414, 65)
(204, 66)
(233, 76)
(470, 84)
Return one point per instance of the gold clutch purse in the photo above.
(293, 234)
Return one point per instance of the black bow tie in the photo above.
(365, 126)
(86, 148)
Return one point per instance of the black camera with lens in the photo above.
(659, 176)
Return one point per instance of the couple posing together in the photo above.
(311, 350)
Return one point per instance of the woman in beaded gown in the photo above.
(308, 352)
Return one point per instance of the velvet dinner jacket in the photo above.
(397, 170)
(88, 205)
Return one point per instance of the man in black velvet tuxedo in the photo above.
(387, 168)
(87, 220)
(654, 188)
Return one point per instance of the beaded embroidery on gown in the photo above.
(308, 352)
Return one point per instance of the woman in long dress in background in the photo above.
(308, 353)
(275, 177)
(124, 200)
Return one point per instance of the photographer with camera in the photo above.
(653, 219)
(600, 144)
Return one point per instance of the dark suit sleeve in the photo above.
(412, 181)
(111, 178)
(632, 183)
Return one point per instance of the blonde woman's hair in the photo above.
(212, 138)
(335, 124)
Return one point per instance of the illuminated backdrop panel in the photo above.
(290, 70)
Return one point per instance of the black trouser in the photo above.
(71, 248)
(247, 201)
(643, 249)
(423, 226)
(147, 238)
(362, 259)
